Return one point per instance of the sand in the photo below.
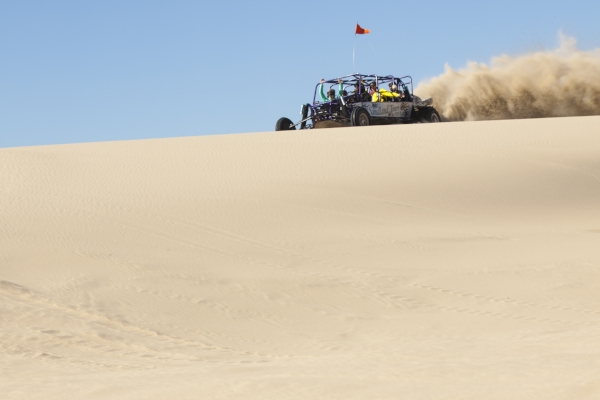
(428, 261)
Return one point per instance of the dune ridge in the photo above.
(436, 261)
(557, 83)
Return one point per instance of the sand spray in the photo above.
(557, 83)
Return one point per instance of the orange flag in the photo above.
(361, 31)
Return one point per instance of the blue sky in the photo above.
(81, 71)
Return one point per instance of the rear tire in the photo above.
(360, 117)
(284, 124)
(428, 115)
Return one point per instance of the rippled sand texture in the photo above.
(440, 261)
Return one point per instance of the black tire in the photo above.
(284, 124)
(429, 115)
(360, 117)
(435, 116)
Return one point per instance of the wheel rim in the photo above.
(363, 119)
(435, 118)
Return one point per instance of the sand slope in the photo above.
(443, 261)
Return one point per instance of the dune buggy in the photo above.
(362, 100)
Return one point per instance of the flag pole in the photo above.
(353, 51)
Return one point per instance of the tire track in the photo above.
(10, 291)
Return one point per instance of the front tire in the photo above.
(284, 124)
(360, 117)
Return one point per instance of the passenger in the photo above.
(383, 95)
(331, 95)
(400, 96)
(394, 91)
(372, 88)
(349, 99)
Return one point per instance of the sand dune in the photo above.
(440, 261)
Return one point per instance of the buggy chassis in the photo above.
(356, 108)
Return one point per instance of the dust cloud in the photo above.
(557, 83)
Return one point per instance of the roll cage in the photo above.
(350, 82)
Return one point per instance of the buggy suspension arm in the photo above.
(304, 120)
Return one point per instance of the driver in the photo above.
(359, 87)
(360, 92)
